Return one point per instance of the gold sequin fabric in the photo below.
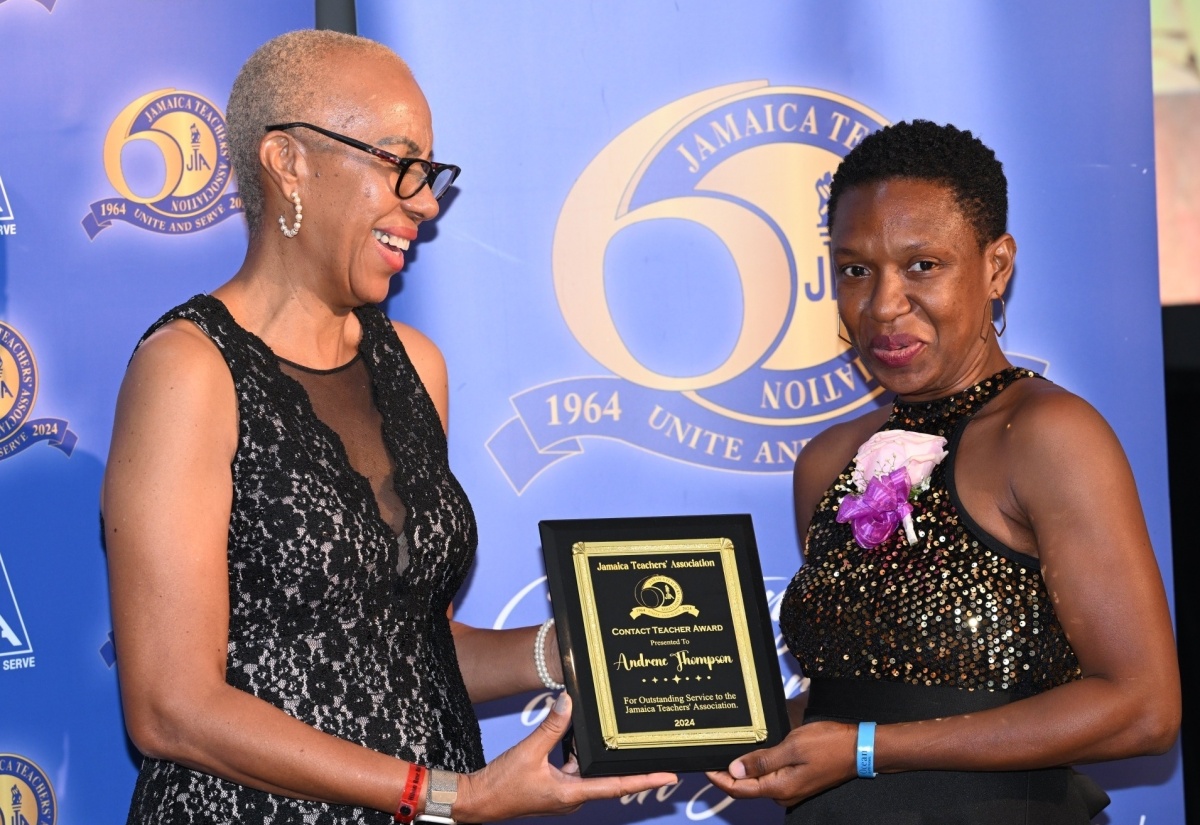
(957, 608)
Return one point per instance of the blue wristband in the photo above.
(866, 750)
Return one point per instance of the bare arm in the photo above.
(1074, 487)
(166, 537)
(499, 663)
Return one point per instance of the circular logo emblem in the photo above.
(18, 381)
(26, 795)
(167, 156)
(660, 597)
(691, 259)
(727, 190)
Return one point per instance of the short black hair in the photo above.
(923, 150)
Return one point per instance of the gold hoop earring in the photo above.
(841, 337)
(1003, 317)
(283, 227)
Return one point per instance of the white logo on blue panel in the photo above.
(8, 221)
(16, 650)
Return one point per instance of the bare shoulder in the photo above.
(1051, 440)
(825, 456)
(1040, 418)
(832, 448)
(179, 362)
(421, 349)
(429, 363)
(178, 379)
(178, 385)
(180, 344)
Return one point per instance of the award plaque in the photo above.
(666, 639)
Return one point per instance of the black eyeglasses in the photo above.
(414, 172)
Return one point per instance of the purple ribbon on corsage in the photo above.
(875, 514)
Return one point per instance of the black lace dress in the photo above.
(956, 623)
(338, 586)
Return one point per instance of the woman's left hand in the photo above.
(810, 759)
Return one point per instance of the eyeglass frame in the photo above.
(432, 168)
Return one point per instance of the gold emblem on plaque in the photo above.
(660, 597)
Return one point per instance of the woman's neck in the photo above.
(990, 361)
(293, 319)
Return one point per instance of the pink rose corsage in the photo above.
(890, 470)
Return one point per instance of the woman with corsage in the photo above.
(284, 533)
(979, 606)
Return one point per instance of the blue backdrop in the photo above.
(639, 226)
(629, 283)
(75, 297)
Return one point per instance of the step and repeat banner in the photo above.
(630, 282)
(98, 102)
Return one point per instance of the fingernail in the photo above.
(560, 704)
(737, 770)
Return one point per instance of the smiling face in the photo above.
(356, 230)
(914, 287)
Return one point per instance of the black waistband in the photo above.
(1058, 790)
(858, 700)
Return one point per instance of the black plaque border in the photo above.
(595, 759)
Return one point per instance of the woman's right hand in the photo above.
(812, 758)
(523, 782)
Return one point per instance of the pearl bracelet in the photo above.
(539, 657)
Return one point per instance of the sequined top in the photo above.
(957, 608)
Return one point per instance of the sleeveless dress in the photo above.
(956, 623)
(335, 618)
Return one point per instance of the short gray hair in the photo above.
(282, 81)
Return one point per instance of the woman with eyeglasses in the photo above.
(284, 534)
